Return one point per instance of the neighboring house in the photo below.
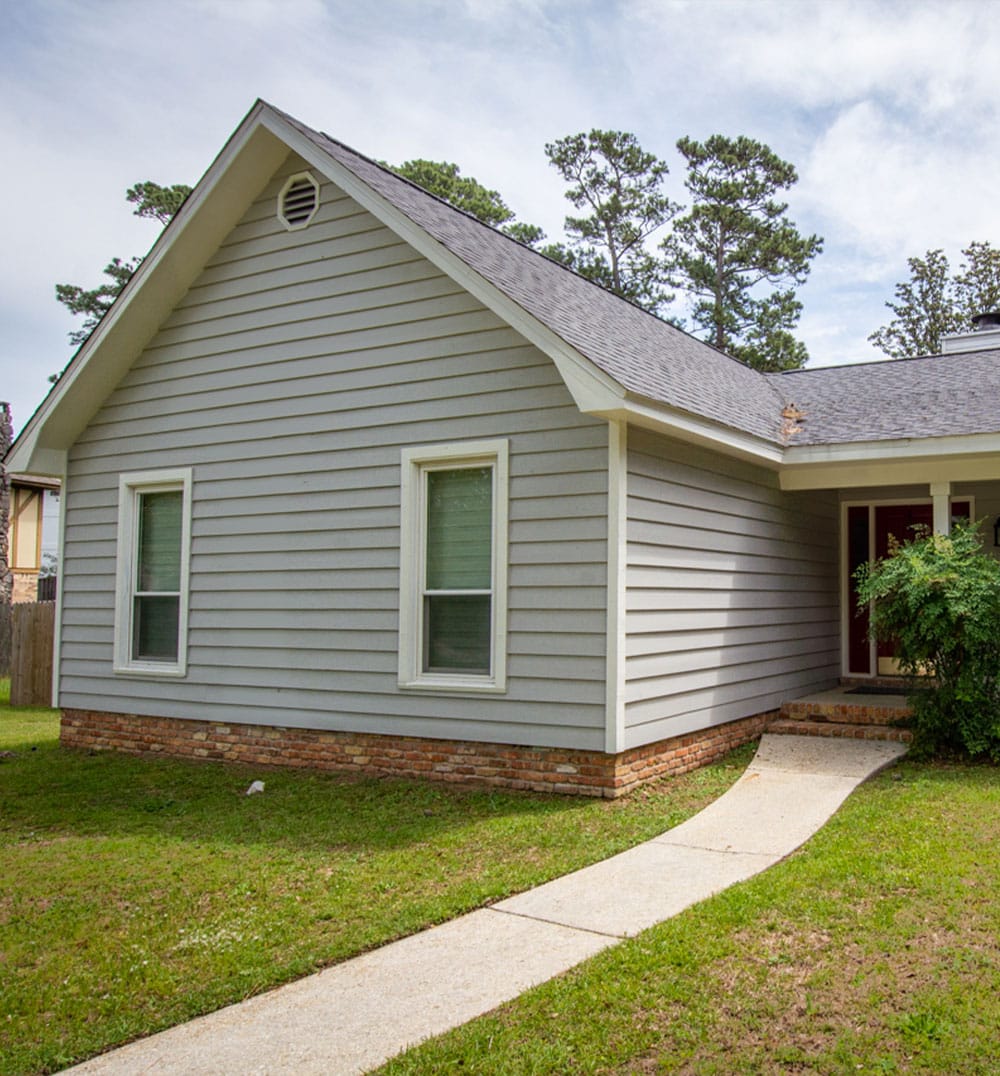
(354, 480)
(27, 499)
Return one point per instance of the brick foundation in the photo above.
(539, 769)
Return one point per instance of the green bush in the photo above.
(938, 599)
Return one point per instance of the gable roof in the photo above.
(618, 360)
(644, 354)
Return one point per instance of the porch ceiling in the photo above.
(892, 463)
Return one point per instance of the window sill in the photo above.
(150, 670)
(475, 685)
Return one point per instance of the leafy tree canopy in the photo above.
(151, 202)
(935, 303)
(445, 180)
(620, 187)
(736, 240)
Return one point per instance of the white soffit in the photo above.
(968, 458)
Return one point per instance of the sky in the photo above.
(887, 110)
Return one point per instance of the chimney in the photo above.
(985, 335)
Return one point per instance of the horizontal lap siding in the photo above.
(731, 590)
(290, 378)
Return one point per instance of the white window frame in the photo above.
(130, 488)
(416, 464)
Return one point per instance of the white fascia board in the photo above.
(244, 166)
(590, 387)
(966, 458)
(694, 430)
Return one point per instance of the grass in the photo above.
(874, 949)
(135, 894)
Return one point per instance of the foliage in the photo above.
(152, 202)
(621, 188)
(934, 303)
(92, 304)
(137, 893)
(735, 239)
(938, 598)
(445, 180)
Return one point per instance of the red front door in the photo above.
(890, 520)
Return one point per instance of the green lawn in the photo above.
(874, 949)
(135, 894)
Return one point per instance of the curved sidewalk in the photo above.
(352, 1017)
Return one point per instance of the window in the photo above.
(154, 535)
(453, 567)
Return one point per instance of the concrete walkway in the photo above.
(353, 1016)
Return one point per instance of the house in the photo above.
(353, 480)
(24, 537)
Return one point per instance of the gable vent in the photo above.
(298, 201)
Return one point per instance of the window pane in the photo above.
(457, 633)
(154, 628)
(159, 554)
(460, 529)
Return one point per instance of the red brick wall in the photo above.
(542, 769)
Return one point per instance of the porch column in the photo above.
(941, 496)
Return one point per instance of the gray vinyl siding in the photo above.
(290, 377)
(731, 590)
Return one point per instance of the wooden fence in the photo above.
(32, 634)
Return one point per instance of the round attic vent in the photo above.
(298, 201)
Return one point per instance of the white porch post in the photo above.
(941, 496)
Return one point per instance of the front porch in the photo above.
(860, 712)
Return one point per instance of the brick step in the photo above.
(867, 710)
(848, 730)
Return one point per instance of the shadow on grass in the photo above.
(51, 791)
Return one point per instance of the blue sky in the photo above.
(888, 110)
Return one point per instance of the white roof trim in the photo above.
(694, 430)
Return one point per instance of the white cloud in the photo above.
(895, 193)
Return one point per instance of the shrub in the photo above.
(937, 598)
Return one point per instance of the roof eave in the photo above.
(900, 461)
(693, 429)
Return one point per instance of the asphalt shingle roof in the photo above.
(932, 396)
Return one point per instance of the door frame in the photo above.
(845, 582)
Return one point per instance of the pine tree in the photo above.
(152, 202)
(620, 186)
(734, 243)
